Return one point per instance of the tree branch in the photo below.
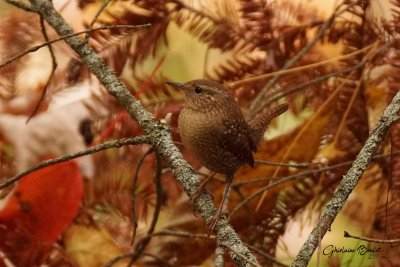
(66, 157)
(349, 181)
(61, 38)
(158, 133)
(21, 5)
(53, 70)
(257, 105)
(373, 240)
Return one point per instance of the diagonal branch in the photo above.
(349, 181)
(37, 47)
(257, 104)
(158, 133)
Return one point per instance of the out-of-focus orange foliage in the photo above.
(91, 246)
(333, 104)
(38, 210)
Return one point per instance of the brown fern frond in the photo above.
(113, 46)
(290, 200)
(18, 32)
(236, 67)
(290, 26)
(389, 213)
(217, 34)
(256, 21)
(351, 106)
(153, 91)
(394, 25)
(112, 188)
(143, 43)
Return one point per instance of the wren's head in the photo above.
(204, 94)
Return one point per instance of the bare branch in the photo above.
(53, 69)
(98, 13)
(311, 82)
(257, 105)
(158, 133)
(66, 157)
(133, 187)
(96, 16)
(140, 247)
(158, 259)
(383, 241)
(282, 164)
(21, 5)
(37, 47)
(280, 180)
(183, 234)
(266, 256)
(300, 68)
(349, 181)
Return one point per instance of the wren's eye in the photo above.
(198, 90)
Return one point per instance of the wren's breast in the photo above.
(201, 133)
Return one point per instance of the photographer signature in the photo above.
(370, 252)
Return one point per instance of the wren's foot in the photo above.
(215, 218)
(221, 207)
(199, 190)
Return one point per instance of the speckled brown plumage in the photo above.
(214, 130)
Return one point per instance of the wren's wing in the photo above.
(237, 140)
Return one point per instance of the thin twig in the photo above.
(37, 47)
(280, 180)
(296, 69)
(282, 164)
(53, 70)
(183, 234)
(158, 133)
(140, 247)
(371, 54)
(257, 105)
(374, 240)
(117, 259)
(21, 5)
(158, 259)
(319, 79)
(106, 145)
(96, 16)
(133, 188)
(349, 181)
(322, 108)
(266, 255)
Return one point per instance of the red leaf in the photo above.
(44, 202)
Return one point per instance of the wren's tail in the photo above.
(262, 120)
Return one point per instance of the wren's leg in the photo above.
(213, 223)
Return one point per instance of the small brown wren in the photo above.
(213, 129)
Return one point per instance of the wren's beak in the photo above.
(176, 85)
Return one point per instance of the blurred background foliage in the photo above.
(336, 92)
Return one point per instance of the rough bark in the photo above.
(349, 182)
(158, 133)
